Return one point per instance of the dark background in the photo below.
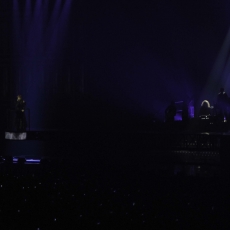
(101, 62)
(102, 65)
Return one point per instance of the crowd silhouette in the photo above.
(57, 195)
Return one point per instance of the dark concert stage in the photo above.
(161, 143)
(97, 86)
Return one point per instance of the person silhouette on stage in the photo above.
(170, 112)
(205, 109)
(20, 120)
(222, 104)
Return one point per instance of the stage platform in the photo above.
(148, 147)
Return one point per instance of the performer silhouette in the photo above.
(205, 109)
(20, 120)
(170, 112)
(222, 104)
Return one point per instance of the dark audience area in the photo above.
(93, 191)
(141, 174)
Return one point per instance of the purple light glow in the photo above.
(27, 13)
(178, 117)
(38, 9)
(57, 27)
(219, 75)
(67, 7)
(38, 47)
(33, 160)
(56, 11)
(15, 160)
